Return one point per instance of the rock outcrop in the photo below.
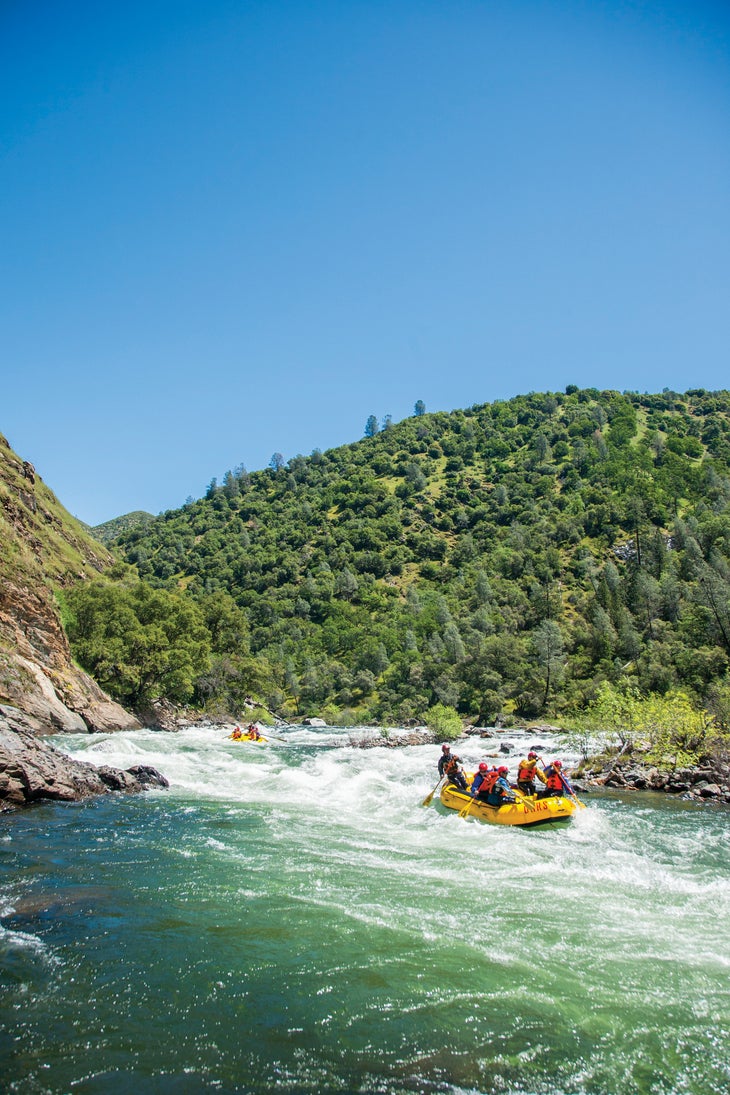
(42, 548)
(707, 784)
(32, 769)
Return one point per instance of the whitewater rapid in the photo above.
(300, 892)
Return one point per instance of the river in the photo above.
(289, 917)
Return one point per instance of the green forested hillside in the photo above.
(505, 558)
(110, 530)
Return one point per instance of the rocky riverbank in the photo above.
(32, 769)
(707, 783)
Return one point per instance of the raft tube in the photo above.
(533, 811)
(247, 737)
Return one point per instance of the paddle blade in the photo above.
(428, 800)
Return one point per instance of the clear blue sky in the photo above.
(236, 228)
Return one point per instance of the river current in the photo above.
(289, 917)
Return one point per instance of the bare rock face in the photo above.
(37, 673)
(43, 548)
(32, 769)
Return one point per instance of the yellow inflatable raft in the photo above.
(532, 811)
(247, 737)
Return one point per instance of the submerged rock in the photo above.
(32, 769)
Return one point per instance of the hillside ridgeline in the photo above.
(110, 530)
(503, 560)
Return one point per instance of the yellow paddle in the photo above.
(465, 810)
(429, 798)
(569, 790)
(521, 798)
(575, 798)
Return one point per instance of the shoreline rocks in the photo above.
(710, 783)
(394, 741)
(32, 769)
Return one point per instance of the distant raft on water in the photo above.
(255, 738)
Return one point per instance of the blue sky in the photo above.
(237, 228)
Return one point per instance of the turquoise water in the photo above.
(289, 918)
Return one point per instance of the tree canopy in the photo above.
(509, 557)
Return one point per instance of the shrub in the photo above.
(444, 721)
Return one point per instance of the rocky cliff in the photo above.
(42, 549)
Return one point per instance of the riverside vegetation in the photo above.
(505, 561)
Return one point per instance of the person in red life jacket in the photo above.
(483, 781)
(449, 766)
(527, 770)
(501, 792)
(556, 782)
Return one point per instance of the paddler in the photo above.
(501, 792)
(483, 781)
(556, 782)
(449, 766)
(237, 735)
(527, 770)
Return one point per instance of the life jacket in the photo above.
(554, 779)
(490, 778)
(504, 789)
(526, 771)
(451, 766)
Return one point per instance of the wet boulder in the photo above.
(148, 776)
(707, 790)
(33, 769)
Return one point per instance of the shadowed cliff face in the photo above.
(41, 548)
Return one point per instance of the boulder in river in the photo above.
(32, 769)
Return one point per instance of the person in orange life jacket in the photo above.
(449, 766)
(237, 733)
(556, 783)
(253, 732)
(483, 781)
(501, 792)
(526, 772)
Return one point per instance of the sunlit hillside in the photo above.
(504, 558)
